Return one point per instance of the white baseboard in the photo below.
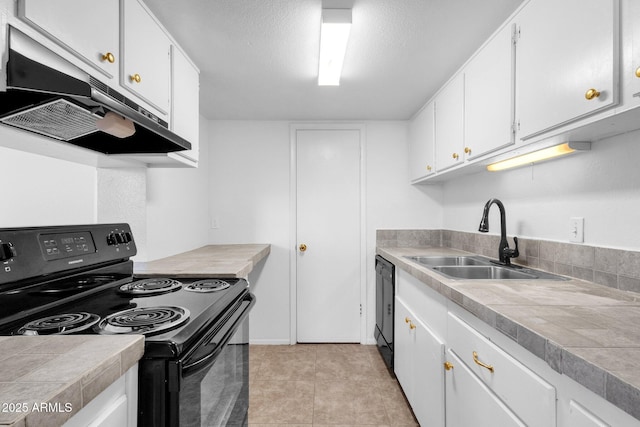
(269, 341)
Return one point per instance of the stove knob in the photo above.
(127, 237)
(111, 239)
(7, 251)
(119, 238)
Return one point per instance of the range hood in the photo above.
(72, 108)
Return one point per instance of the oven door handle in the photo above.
(220, 339)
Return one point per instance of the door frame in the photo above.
(293, 202)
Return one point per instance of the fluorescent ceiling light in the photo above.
(334, 35)
(540, 155)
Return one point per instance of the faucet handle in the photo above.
(512, 253)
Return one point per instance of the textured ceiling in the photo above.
(258, 58)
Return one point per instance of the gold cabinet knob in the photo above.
(302, 247)
(135, 78)
(448, 366)
(407, 320)
(638, 72)
(591, 93)
(467, 150)
(428, 168)
(479, 363)
(109, 57)
(455, 156)
(411, 325)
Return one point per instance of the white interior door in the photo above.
(328, 224)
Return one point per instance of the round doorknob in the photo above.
(109, 57)
(591, 93)
(638, 72)
(302, 247)
(136, 78)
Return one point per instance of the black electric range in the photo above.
(79, 280)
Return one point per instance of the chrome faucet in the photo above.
(504, 252)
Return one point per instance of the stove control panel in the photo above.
(37, 251)
(66, 245)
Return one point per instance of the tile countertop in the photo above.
(208, 261)
(66, 371)
(581, 329)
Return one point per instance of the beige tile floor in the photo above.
(323, 385)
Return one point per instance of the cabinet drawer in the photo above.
(528, 395)
(429, 306)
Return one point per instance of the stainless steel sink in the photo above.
(479, 268)
(484, 272)
(431, 261)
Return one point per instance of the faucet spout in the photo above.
(504, 252)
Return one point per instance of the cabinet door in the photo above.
(470, 403)
(421, 143)
(633, 17)
(421, 357)
(564, 49)
(146, 58)
(185, 91)
(87, 28)
(581, 417)
(489, 96)
(449, 107)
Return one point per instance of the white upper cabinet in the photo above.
(489, 96)
(421, 143)
(146, 63)
(89, 29)
(567, 62)
(632, 71)
(449, 107)
(185, 90)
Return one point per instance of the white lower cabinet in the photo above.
(419, 366)
(528, 397)
(579, 416)
(470, 402)
(116, 406)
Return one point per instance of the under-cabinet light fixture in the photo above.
(540, 155)
(334, 35)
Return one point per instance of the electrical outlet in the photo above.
(576, 230)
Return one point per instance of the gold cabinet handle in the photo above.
(455, 156)
(591, 93)
(109, 57)
(467, 150)
(135, 78)
(478, 362)
(638, 72)
(407, 320)
(428, 168)
(302, 247)
(448, 366)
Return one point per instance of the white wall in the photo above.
(602, 185)
(38, 190)
(249, 164)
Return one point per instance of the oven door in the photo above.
(214, 388)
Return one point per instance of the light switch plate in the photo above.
(576, 230)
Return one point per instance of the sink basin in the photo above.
(431, 261)
(483, 272)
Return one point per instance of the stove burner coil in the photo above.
(143, 320)
(207, 285)
(61, 324)
(150, 287)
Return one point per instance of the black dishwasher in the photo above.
(385, 303)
